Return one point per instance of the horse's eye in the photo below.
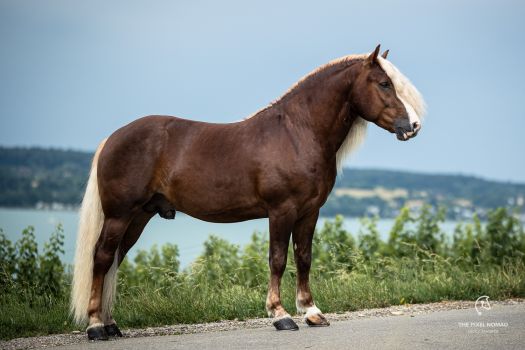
(384, 84)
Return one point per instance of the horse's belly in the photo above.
(214, 212)
(228, 216)
(218, 205)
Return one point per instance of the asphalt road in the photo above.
(502, 327)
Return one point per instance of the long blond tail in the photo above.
(89, 228)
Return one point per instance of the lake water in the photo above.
(188, 233)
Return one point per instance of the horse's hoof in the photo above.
(317, 320)
(112, 330)
(97, 333)
(285, 324)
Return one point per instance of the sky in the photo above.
(72, 72)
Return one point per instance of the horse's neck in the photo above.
(322, 106)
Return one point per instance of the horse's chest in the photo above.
(323, 188)
(315, 188)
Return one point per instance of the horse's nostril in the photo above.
(415, 125)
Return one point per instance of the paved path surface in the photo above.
(503, 327)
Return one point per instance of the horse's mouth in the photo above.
(404, 135)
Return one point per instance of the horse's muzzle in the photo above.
(407, 131)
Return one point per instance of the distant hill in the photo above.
(383, 192)
(31, 176)
(54, 178)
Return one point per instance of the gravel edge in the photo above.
(412, 310)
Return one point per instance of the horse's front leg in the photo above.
(303, 233)
(281, 224)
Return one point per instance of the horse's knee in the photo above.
(303, 263)
(277, 263)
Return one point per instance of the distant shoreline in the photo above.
(179, 214)
(53, 179)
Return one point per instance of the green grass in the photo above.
(397, 282)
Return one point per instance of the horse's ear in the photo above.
(385, 54)
(372, 58)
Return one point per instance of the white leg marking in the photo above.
(312, 310)
(109, 321)
(286, 315)
(307, 311)
(98, 324)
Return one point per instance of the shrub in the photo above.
(24, 272)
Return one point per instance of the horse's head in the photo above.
(382, 95)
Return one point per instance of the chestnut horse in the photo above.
(281, 163)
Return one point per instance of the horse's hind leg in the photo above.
(133, 233)
(131, 236)
(157, 204)
(303, 234)
(101, 295)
